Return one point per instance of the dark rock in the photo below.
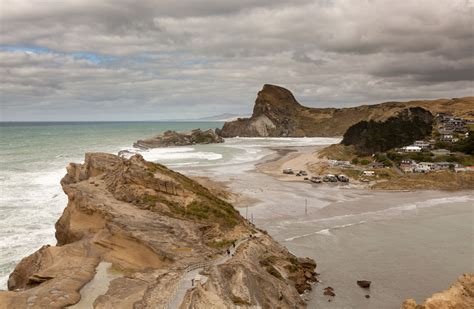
(367, 296)
(329, 291)
(173, 138)
(364, 283)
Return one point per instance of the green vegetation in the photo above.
(225, 243)
(274, 272)
(382, 158)
(149, 200)
(268, 261)
(206, 207)
(291, 268)
(370, 137)
(465, 145)
(239, 301)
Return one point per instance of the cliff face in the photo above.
(459, 296)
(277, 113)
(173, 138)
(370, 137)
(150, 224)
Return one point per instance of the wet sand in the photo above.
(409, 244)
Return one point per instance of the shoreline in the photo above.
(271, 191)
(306, 158)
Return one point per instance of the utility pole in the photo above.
(247, 212)
(252, 217)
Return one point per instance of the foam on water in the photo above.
(377, 215)
(325, 232)
(177, 153)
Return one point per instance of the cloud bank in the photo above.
(151, 60)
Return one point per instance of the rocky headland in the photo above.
(459, 296)
(173, 138)
(153, 226)
(277, 113)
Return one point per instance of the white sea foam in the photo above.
(325, 232)
(175, 154)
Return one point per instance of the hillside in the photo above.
(277, 113)
(370, 137)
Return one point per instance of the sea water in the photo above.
(33, 159)
(34, 156)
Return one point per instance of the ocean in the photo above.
(34, 156)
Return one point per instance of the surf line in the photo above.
(325, 231)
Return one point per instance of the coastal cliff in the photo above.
(277, 113)
(173, 138)
(459, 296)
(152, 226)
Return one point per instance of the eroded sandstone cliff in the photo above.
(152, 225)
(277, 113)
(459, 296)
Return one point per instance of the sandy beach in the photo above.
(409, 244)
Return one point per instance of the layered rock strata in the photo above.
(151, 225)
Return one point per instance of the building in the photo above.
(444, 165)
(464, 169)
(368, 173)
(443, 116)
(431, 166)
(407, 166)
(422, 144)
(411, 148)
(447, 137)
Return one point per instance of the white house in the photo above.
(431, 166)
(447, 137)
(368, 173)
(411, 148)
(422, 144)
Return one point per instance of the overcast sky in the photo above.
(168, 59)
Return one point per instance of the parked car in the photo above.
(302, 173)
(342, 178)
(288, 171)
(329, 178)
(316, 179)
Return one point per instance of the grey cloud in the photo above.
(207, 57)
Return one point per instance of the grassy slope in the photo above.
(334, 122)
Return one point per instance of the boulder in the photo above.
(364, 283)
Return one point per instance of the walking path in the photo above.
(191, 272)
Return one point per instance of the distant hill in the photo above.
(221, 117)
(277, 113)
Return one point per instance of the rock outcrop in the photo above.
(277, 113)
(407, 126)
(150, 225)
(173, 138)
(459, 296)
